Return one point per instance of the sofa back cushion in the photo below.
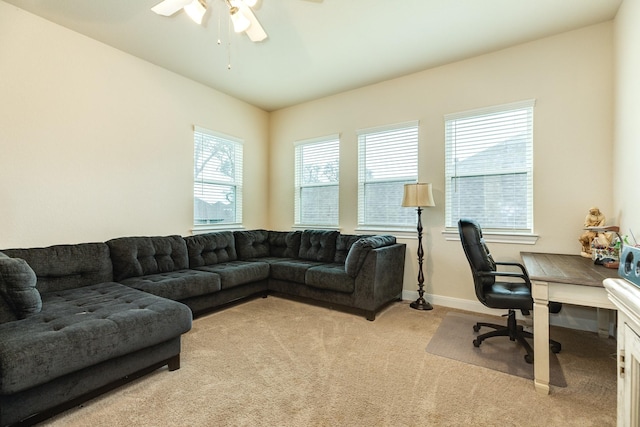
(284, 244)
(252, 244)
(343, 244)
(361, 248)
(140, 256)
(62, 267)
(211, 248)
(19, 297)
(318, 245)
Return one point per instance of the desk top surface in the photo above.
(571, 269)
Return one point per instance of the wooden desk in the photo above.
(570, 279)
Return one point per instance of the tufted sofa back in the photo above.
(140, 256)
(211, 248)
(318, 245)
(252, 244)
(284, 244)
(263, 243)
(62, 267)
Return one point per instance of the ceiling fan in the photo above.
(242, 17)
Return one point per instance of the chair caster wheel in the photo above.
(528, 358)
(476, 343)
(476, 328)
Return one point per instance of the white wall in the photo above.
(571, 78)
(96, 143)
(627, 117)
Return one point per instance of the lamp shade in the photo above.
(417, 195)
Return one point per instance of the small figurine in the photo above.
(595, 218)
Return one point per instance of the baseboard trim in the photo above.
(572, 317)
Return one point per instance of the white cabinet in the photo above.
(626, 298)
(629, 376)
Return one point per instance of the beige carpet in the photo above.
(454, 339)
(275, 362)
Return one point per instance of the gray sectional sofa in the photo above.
(78, 320)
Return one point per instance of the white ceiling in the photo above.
(318, 47)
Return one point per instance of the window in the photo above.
(489, 167)
(317, 172)
(217, 182)
(387, 159)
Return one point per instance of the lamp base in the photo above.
(421, 304)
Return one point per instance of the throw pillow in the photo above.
(18, 287)
(361, 248)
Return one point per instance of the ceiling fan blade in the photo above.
(255, 32)
(169, 7)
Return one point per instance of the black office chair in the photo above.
(507, 290)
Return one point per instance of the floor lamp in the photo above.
(419, 196)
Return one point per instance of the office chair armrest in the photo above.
(524, 277)
(513, 264)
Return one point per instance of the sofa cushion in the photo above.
(331, 277)
(61, 267)
(17, 289)
(236, 273)
(211, 248)
(79, 328)
(176, 285)
(343, 244)
(318, 245)
(292, 270)
(361, 248)
(142, 256)
(284, 244)
(252, 244)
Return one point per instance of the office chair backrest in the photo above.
(477, 253)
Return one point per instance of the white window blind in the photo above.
(489, 167)
(317, 175)
(217, 183)
(387, 159)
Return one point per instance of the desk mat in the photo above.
(454, 337)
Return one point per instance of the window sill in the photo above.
(396, 231)
(497, 237)
(209, 228)
(315, 227)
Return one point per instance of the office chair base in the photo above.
(515, 332)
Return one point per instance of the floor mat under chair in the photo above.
(454, 340)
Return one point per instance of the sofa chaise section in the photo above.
(78, 338)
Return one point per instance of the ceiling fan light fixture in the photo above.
(240, 22)
(196, 10)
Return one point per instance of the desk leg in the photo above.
(540, 292)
